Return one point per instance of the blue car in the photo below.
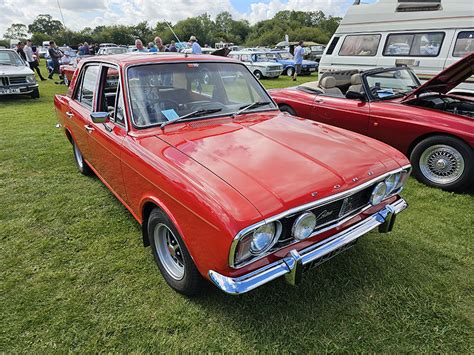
(286, 59)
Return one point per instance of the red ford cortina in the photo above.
(226, 187)
(433, 127)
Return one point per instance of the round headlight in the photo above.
(304, 226)
(392, 182)
(262, 238)
(379, 193)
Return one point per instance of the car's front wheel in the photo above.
(258, 74)
(35, 94)
(172, 256)
(290, 71)
(444, 162)
(79, 159)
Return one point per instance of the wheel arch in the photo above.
(68, 135)
(431, 134)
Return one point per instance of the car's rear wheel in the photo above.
(443, 162)
(258, 74)
(290, 71)
(172, 256)
(286, 108)
(80, 163)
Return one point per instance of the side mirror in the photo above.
(355, 95)
(100, 117)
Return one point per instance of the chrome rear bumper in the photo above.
(292, 266)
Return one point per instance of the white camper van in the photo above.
(427, 35)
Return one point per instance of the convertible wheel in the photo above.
(171, 255)
(80, 163)
(443, 162)
(290, 71)
(286, 108)
(258, 74)
(66, 80)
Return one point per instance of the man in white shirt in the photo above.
(195, 47)
(31, 59)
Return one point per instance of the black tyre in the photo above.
(290, 71)
(258, 74)
(286, 108)
(35, 94)
(172, 256)
(80, 163)
(444, 162)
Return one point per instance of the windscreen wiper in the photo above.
(191, 114)
(249, 106)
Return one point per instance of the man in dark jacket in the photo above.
(54, 54)
(20, 51)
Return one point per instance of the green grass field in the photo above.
(75, 276)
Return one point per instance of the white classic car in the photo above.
(16, 77)
(259, 63)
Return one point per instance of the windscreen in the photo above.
(164, 92)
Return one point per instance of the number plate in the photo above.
(312, 69)
(9, 91)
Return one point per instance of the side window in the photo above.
(360, 45)
(332, 45)
(464, 44)
(88, 86)
(414, 44)
(110, 98)
(120, 109)
(245, 58)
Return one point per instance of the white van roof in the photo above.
(403, 15)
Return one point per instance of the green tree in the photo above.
(45, 24)
(16, 31)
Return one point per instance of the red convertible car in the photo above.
(226, 187)
(434, 128)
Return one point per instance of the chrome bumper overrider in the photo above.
(292, 265)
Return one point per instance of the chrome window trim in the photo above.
(309, 206)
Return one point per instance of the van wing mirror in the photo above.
(356, 95)
(100, 117)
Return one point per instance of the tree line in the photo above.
(298, 25)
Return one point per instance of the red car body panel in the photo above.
(217, 176)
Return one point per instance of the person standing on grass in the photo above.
(31, 59)
(298, 53)
(20, 51)
(54, 55)
(195, 47)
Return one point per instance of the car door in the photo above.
(341, 112)
(106, 139)
(80, 108)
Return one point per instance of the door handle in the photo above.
(69, 114)
(89, 128)
(318, 100)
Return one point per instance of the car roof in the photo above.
(127, 59)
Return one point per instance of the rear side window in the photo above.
(414, 44)
(360, 45)
(332, 45)
(464, 44)
(87, 88)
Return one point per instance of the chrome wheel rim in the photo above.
(78, 156)
(442, 164)
(169, 251)
(66, 81)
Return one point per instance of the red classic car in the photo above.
(434, 128)
(225, 186)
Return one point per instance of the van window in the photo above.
(360, 45)
(464, 44)
(414, 44)
(332, 45)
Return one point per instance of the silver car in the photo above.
(259, 63)
(16, 77)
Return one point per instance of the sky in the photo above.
(90, 13)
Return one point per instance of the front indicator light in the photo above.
(304, 226)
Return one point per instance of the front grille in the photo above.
(17, 80)
(4, 81)
(328, 214)
(274, 68)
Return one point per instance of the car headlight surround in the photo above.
(304, 226)
(378, 193)
(392, 182)
(31, 79)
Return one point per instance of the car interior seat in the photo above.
(328, 84)
(356, 83)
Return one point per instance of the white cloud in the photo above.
(91, 13)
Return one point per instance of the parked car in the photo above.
(112, 50)
(258, 63)
(287, 60)
(16, 77)
(430, 125)
(225, 186)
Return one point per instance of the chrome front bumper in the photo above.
(292, 266)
